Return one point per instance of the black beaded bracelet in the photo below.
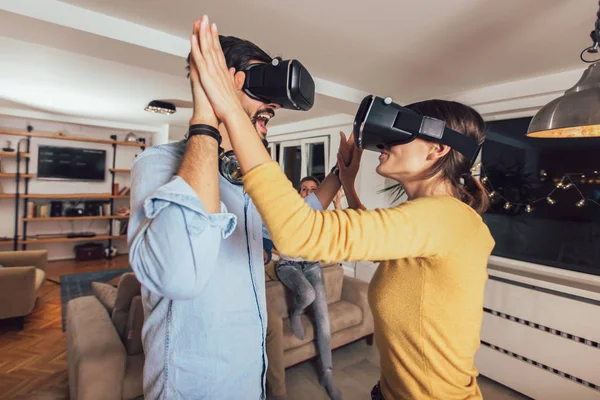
(206, 130)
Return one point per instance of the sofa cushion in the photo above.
(106, 294)
(135, 322)
(40, 277)
(128, 288)
(134, 379)
(334, 279)
(342, 315)
(280, 299)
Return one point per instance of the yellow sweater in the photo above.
(427, 294)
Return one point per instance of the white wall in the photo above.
(124, 160)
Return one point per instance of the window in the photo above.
(300, 158)
(557, 228)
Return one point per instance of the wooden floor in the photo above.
(356, 370)
(33, 362)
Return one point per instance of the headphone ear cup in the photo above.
(229, 167)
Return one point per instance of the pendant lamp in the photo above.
(576, 114)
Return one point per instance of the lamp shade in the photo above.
(161, 107)
(576, 114)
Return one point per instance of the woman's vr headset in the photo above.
(286, 83)
(381, 123)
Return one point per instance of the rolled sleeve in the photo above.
(313, 201)
(179, 192)
(173, 242)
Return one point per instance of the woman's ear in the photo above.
(239, 78)
(438, 151)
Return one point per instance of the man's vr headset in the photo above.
(381, 123)
(286, 83)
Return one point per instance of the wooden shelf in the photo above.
(70, 196)
(14, 175)
(72, 138)
(120, 170)
(73, 196)
(85, 218)
(65, 239)
(13, 154)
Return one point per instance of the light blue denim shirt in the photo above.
(203, 284)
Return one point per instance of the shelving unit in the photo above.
(13, 154)
(67, 240)
(24, 155)
(71, 138)
(83, 218)
(14, 175)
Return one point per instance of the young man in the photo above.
(195, 243)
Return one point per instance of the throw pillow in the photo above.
(107, 295)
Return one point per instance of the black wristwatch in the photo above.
(206, 130)
(336, 171)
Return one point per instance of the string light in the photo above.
(565, 183)
(476, 167)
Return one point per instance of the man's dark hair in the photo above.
(239, 53)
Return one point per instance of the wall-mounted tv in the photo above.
(70, 163)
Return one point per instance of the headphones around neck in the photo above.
(229, 167)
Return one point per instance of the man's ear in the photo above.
(239, 78)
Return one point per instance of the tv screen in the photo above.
(71, 163)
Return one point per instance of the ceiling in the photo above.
(407, 49)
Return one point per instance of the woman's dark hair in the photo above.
(309, 179)
(454, 166)
(239, 53)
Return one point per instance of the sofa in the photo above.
(104, 342)
(104, 345)
(21, 277)
(349, 313)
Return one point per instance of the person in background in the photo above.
(305, 280)
(308, 184)
(337, 200)
(427, 293)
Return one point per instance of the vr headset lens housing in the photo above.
(380, 124)
(287, 83)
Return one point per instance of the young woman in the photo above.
(305, 280)
(427, 294)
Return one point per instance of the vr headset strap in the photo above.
(435, 129)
